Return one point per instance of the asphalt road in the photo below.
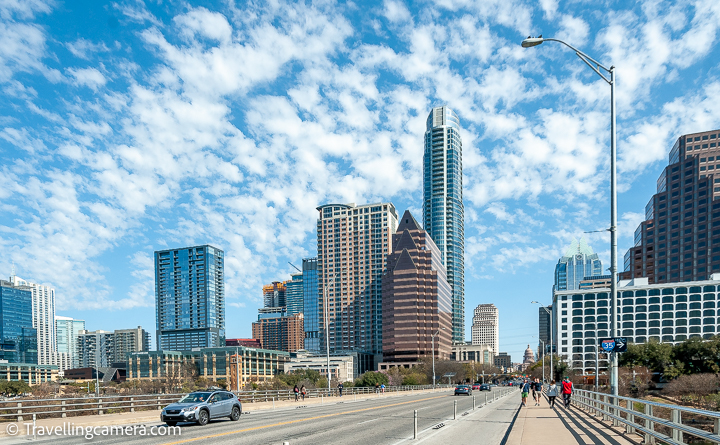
(365, 421)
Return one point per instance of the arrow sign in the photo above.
(620, 344)
(617, 344)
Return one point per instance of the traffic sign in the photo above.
(617, 344)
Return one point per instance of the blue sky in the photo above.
(128, 127)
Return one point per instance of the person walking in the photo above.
(567, 390)
(552, 393)
(340, 388)
(382, 388)
(524, 390)
(537, 392)
(297, 392)
(303, 391)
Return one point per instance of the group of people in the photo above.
(536, 387)
(299, 392)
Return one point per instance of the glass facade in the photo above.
(67, 330)
(578, 263)
(443, 210)
(310, 304)
(294, 294)
(669, 313)
(190, 298)
(18, 338)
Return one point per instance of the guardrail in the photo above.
(610, 407)
(11, 410)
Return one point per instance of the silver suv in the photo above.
(201, 407)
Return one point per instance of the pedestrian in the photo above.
(297, 392)
(525, 389)
(377, 387)
(303, 391)
(567, 390)
(382, 388)
(537, 392)
(340, 388)
(552, 393)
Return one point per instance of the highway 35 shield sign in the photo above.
(617, 344)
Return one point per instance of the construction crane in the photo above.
(294, 267)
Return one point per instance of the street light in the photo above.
(551, 339)
(432, 341)
(543, 359)
(596, 66)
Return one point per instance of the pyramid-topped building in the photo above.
(578, 263)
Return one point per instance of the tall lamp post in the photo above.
(432, 340)
(596, 66)
(551, 339)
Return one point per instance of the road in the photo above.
(365, 421)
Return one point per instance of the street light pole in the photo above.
(596, 66)
(552, 328)
(432, 341)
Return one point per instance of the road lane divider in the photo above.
(290, 422)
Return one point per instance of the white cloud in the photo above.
(89, 77)
(84, 48)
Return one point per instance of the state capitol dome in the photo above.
(529, 356)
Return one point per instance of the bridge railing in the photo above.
(655, 421)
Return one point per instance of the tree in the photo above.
(698, 355)
(371, 378)
(13, 387)
(652, 355)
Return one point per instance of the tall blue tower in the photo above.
(443, 210)
(578, 263)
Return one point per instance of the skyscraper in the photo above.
(578, 262)
(67, 330)
(311, 304)
(294, 294)
(353, 243)
(486, 327)
(416, 297)
(280, 333)
(190, 298)
(679, 239)
(274, 294)
(544, 329)
(18, 338)
(443, 211)
(43, 317)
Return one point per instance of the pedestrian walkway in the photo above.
(541, 425)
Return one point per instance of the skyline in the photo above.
(137, 127)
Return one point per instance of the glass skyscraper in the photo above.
(578, 262)
(18, 338)
(310, 304)
(190, 298)
(443, 210)
(294, 294)
(68, 330)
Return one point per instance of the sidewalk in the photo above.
(153, 416)
(542, 425)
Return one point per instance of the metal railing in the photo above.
(642, 417)
(11, 410)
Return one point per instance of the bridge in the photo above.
(431, 417)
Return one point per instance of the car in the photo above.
(484, 387)
(463, 389)
(202, 407)
(476, 387)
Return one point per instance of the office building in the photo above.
(125, 341)
(443, 211)
(95, 349)
(595, 282)
(43, 313)
(294, 294)
(578, 262)
(190, 298)
(18, 338)
(468, 352)
(544, 330)
(416, 297)
(680, 237)
(503, 361)
(247, 342)
(30, 373)
(280, 332)
(311, 304)
(353, 243)
(67, 330)
(342, 367)
(213, 364)
(665, 312)
(274, 294)
(486, 327)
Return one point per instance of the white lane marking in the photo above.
(367, 421)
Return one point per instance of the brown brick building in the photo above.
(280, 333)
(417, 299)
(680, 237)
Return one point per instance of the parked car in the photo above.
(484, 387)
(201, 407)
(463, 389)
